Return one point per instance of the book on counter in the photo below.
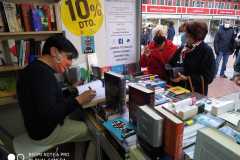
(183, 109)
(190, 133)
(230, 132)
(213, 145)
(172, 134)
(152, 134)
(178, 90)
(122, 131)
(209, 120)
(222, 107)
(139, 96)
(231, 117)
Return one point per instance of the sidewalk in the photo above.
(222, 86)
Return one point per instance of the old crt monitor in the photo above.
(115, 90)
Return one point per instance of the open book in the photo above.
(100, 92)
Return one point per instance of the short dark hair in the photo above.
(197, 30)
(171, 23)
(61, 43)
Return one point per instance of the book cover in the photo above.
(139, 96)
(13, 51)
(47, 11)
(44, 17)
(209, 120)
(53, 17)
(119, 128)
(115, 88)
(2, 56)
(36, 19)
(26, 15)
(1, 21)
(178, 90)
(19, 17)
(4, 18)
(172, 135)
(11, 12)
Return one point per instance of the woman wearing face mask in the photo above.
(158, 52)
(182, 29)
(45, 109)
(197, 59)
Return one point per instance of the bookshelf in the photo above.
(11, 68)
(28, 35)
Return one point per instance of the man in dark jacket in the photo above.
(223, 46)
(45, 109)
(171, 31)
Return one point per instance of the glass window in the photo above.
(186, 3)
(144, 1)
(235, 6)
(154, 1)
(227, 6)
(182, 2)
(222, 5)
(216, 5)
(162, 2)
(169, 2)
(177, 2)
(210, 4)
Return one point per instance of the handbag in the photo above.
(189, 79)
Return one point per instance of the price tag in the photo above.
(82, 17)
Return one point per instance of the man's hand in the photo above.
(86, 97)
(180, 77)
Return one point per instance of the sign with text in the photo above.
(82, 17)
(121, 31)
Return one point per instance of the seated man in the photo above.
(41, 100)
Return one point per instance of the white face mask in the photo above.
(226, 25)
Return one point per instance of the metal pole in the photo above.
(138, 32)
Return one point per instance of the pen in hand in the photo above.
(89, 88)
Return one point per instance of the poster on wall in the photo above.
(82, 17)
(88, 45)
(121, 31)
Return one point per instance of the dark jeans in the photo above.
(221, 56)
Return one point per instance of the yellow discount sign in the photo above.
(82, 17)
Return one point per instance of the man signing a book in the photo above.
(43, 105)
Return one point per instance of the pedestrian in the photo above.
(224, 46)
(171, 31)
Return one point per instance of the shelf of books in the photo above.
(24, 26)
(42, 35)
(9, 68)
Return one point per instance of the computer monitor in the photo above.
(115, 90)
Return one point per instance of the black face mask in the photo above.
(159, 40)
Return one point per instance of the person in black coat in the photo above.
(197, 59)
(223, 46)
(171, 31)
